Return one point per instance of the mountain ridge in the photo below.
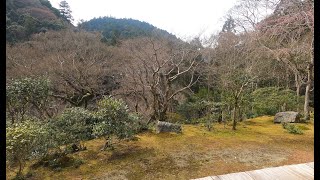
(114, 29)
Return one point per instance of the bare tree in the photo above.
(234, 68)
(154, 67)
(248, 13)
(288, 35)
(77, 63)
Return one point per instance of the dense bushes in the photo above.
(72, 126)
(26, 96)
(25, 140)
(113, 118)
(270, 100)
(32, 137)
(197, 110)
(174, 117)
(262, 101)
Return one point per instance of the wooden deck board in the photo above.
(302, 169)
(235, 176)
(298, 172)
(293, 172)
(210, 178)
(259, 174)
(311, 164)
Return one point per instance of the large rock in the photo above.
(288, 117)
(163, 126)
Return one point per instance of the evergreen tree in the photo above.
(229, 25)
(65, 11)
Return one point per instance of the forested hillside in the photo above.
(114, 29)
(26, 17)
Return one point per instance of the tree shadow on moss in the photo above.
(131, 152)
(57, 162)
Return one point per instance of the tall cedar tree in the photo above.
(65, 11)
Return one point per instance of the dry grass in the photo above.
(257, 143)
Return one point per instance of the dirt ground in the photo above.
(257, 143)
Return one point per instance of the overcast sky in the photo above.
(183, 18)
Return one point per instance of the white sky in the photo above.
(183, 18)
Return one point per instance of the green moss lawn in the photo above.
(257, 143)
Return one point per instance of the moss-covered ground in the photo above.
(257, 143)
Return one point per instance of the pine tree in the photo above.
(65, 11)
(229, 25)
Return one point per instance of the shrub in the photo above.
(57, 161)
(174, 117)
(209, 122)
(193, 110)
(24, 95)
(113, 119)
(24, 141)
(303, 127)
(268, 101)
(138, 124)
(291, 128)
(72, 126)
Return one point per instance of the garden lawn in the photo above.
(257, 143)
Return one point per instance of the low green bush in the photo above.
(302, 127)
(113, 119)
(72, 126)
(270, 100)
(139, 124)
(57, 161)
(291, 128)
(174, 117)
(24, 141)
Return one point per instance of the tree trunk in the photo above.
(298, 86)
(287, 79)
(19, 174)
(240, 114)
(108, 144)
(12, 117)
(235, 116)
(307, 95)
(223, 119)
(85, 104)
(163, 111)
(162, 115)
(136, 106)
(220, 117)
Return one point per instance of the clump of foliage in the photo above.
(193, 109)
(57, 161)
(302, 127)
(139, 124)
(25, 140)
(205, 106)
(291, 128)
(209, 119)
(113, 119)
(270, 100)
(25, 95)
(72, 126)
(174, 117)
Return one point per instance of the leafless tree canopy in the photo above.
(153, 68)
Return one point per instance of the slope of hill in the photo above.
(26, 17)
(113, 29)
